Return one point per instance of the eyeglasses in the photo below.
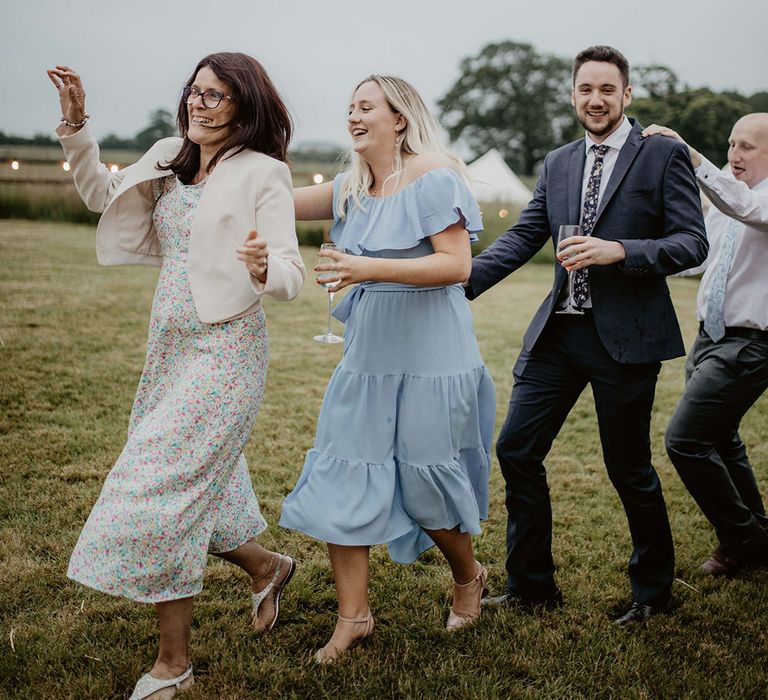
(211, 98)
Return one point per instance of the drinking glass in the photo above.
(328, 336)
(566, 231)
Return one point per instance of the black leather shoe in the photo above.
(511, 600)
(641, 613)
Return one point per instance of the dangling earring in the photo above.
(399, 138)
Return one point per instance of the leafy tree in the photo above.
(36, 140)
(707, 120)
(654, 81)
(758, 102)
(656, 110)
(112, 140)
(161, 125)
(513, 98)
(702, 117)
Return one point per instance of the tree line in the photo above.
(161, 124)
(516, 99)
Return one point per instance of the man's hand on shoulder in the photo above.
(582, 251)
(655, 129)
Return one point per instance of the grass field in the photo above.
(72, 343)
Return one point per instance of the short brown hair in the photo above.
(263, 121)
(605, 54)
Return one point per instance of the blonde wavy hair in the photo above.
(420, 135)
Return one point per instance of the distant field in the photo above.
(53, 154)
(41, 189)
(45, 163)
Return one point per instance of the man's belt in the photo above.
(740, 332)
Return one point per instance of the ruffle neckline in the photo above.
(431, 203)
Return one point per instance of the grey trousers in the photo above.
(723, 381)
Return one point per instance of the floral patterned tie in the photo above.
(714, 321)
(581, 276)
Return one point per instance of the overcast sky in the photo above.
(134, 56)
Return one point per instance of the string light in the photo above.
(113, 168)
(503, 213)
(15, 165)
(318, 179)
(65, 166)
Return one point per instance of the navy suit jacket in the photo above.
(651, 205)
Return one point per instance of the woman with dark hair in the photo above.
(181, 488)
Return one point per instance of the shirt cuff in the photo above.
(707, 171)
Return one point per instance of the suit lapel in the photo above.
(627, 154)
(573, 192)
(575, 182)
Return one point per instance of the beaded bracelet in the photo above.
(75, 125)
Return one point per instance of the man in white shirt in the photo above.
(727, 369)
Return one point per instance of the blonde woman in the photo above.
(401, 454)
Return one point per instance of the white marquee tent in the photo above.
(493, 181)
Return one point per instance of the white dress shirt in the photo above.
(614, 142)
(746, 291)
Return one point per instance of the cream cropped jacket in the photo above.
(244, 192)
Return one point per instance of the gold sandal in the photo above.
(330, 653)
(463, 618)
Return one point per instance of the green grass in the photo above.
(72, 349)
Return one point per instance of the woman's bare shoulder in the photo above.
(422, 163)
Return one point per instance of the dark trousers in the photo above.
(548, 381)
(723, 381)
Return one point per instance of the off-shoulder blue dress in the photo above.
(404, 433)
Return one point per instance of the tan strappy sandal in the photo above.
(459, 618)
(330, 653)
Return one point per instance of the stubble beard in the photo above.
(607, 129)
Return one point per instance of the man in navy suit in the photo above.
(638, 203)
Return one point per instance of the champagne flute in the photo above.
(328, 336)
(566, 231)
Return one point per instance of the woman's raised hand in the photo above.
(71, 95)
(254, 254)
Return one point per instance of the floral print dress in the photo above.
(180, 488)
